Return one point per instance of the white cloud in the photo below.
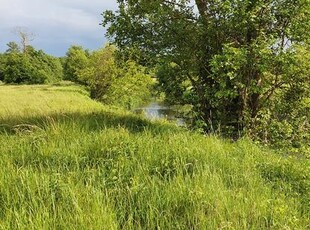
(56, 23)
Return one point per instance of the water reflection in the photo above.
(156, 110)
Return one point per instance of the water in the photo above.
(156, 110)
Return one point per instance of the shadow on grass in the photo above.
(92, 122)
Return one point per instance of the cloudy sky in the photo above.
(56, 24)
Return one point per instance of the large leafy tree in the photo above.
(229, 59)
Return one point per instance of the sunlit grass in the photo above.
(68, 162)
(39, 100)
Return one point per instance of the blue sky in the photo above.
(56, 24)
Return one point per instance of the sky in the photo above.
(55, 24)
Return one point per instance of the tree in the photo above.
(230, 56)
(13, 48)
(2, 66)
(32, 67)
(99, 72)
(25, 37)
(76, 60)
(48, 66)
(19, 70)
(117, 82)
(131, 86)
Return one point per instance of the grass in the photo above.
(68, 162)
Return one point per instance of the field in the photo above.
(68, 162)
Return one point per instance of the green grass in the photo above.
(68, 162)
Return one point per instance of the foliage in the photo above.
(76, 60)
(176, 87)
(51, 66)
(115, 82)
(68, 162)
(2, 66)
(20, 70)
(30, 67)
(131, 87)
(13, 47)
(231, 59)
(286, 121)
(99, 72)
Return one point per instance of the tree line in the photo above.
(109, 80)
(28, 66)
(242, 65)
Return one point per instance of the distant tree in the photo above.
(47, 65)
(25, 37)
(33, 67)
(2, 66)
(19, 70)
(13, 48)
(76, 60)
(24, 64)
(62, 61)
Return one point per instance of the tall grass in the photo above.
(68, 162)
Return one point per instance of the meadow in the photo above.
(68, 162)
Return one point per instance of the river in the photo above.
(157, 110)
